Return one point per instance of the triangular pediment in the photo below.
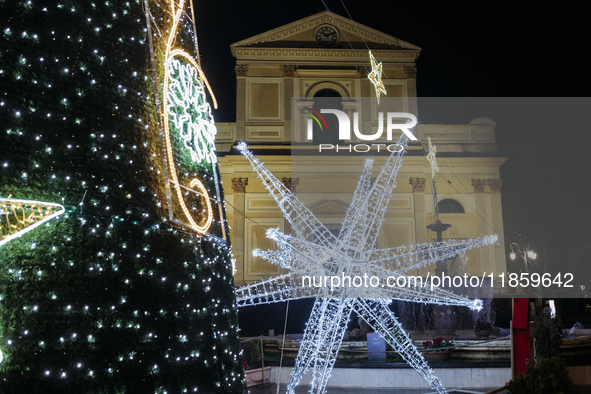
(329, 207)
(301, 34)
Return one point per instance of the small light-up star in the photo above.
(432, 159)
(375, 76)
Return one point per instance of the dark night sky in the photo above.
(469, 49)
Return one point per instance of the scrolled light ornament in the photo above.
(188, 127)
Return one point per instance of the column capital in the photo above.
(239, 185)
(411, 72)
(291, 183)
(288, 70)
(495, 185)
(479, 185)
(349, 107)
(418, 185)
(241, 70)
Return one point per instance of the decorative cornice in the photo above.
(239, 185)
(291, 183)
(478, 185)
(282, 53)
(241, 70)
(325, 17)
(495, 185)
(288, 70)
(362, 72)
(418, 185)
(411, 72)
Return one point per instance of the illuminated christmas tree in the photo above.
(106, 130)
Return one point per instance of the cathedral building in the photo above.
(326, 55)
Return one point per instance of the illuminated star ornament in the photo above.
(375, 76)
(432, 159)
(18, 217)
(353, 253)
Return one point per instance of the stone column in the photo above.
(480, 197)
(239, 235)
(499, 262)
(418, 192)
(411, 83)
(241, 73)
(291, 184)
(289, 72)
(298, 119)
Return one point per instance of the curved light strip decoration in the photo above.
(203, 191)
(187, 110)
(21, 216)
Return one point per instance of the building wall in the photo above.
(274, 67)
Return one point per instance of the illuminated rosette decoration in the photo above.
(189, 113)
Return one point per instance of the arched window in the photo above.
(448, 205)
(329, 99)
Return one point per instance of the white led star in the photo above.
(375, 76)
(352, 253)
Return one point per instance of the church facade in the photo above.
(325, 55)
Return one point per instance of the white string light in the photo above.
(207, 257)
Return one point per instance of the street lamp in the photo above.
(524, 250)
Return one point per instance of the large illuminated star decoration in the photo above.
(351, 253)
(375, 76)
